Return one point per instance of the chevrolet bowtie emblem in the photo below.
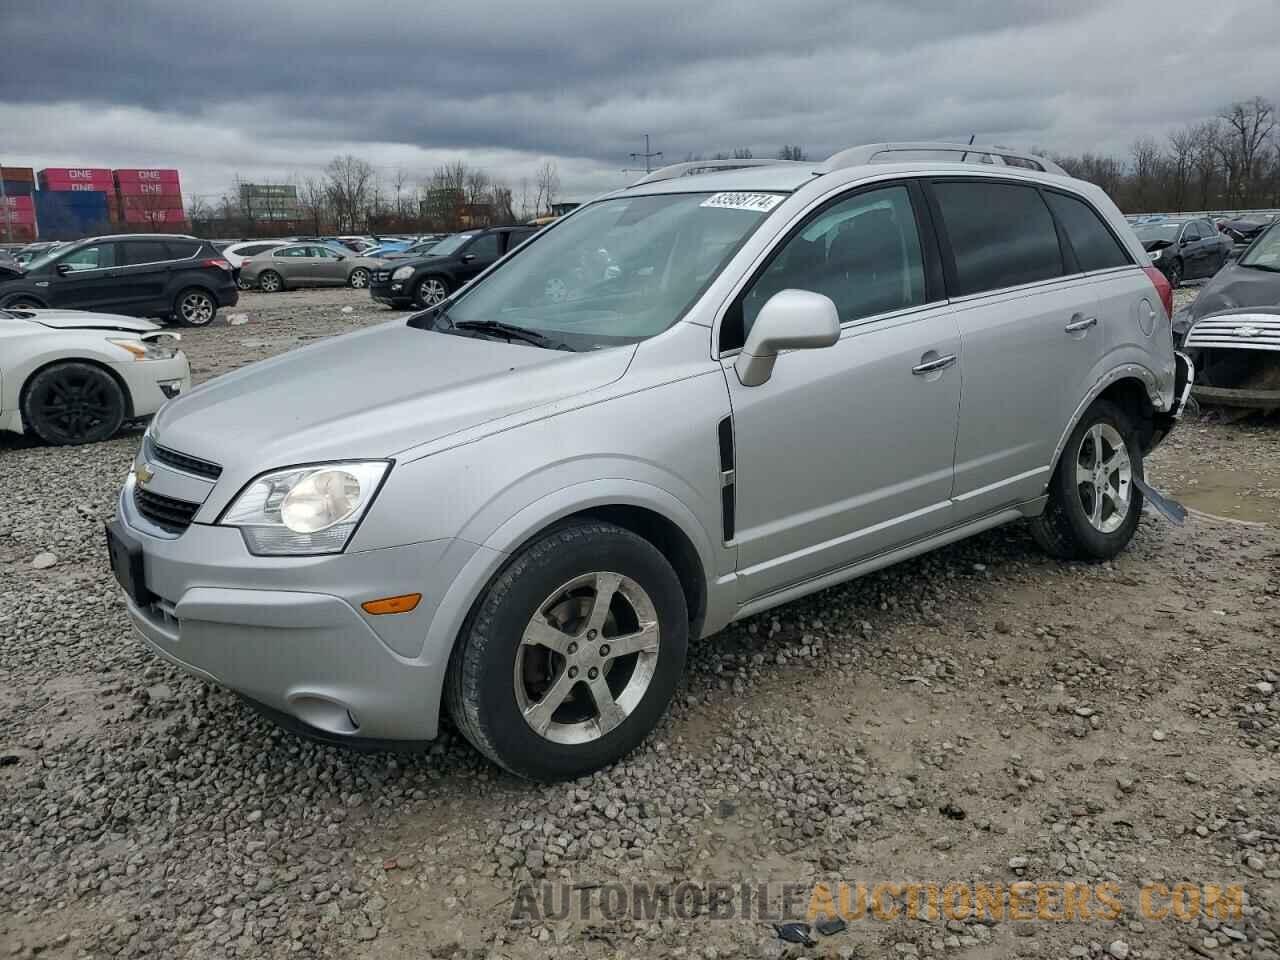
(144, 473)
(1248, 330)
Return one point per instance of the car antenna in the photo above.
(965, 155)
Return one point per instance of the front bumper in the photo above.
(152, 382)
(393, 293)
(289, 632)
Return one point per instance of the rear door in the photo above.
(1194, 252)
(144, 273)
(330, 267)
(1028, 326)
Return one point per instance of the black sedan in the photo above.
(1184, 249)
(427, 280)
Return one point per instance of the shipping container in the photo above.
(151, 202)
(146, 176)
(69, 215)
(18, 202)
(26, 217)
(155, 217)
(54, 185)
(17, 232)
(24, 174)
(17, 188)
(82, 174)
(144, 188)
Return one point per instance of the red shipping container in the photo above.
(18, 173)
(55, 185)
(149, 202)
(133, 215)
(148, 189)
(25, 217)
(146, 176)
(82, 174)
(17, 232)
(19, 203)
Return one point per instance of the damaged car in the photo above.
(1232, 330)
(1184, 249)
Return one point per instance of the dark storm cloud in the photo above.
(285, 84)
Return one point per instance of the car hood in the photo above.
(85, 320)
(369, 395)
(1153, 245)
(1231, 287)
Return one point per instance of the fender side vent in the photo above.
(727, 477)
(726, 511)
(726, 444)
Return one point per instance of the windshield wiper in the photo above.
(1260, 266)
(510, 331)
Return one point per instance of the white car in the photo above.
(238, 253)
(71, 376)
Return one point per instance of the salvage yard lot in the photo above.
(1086, 723)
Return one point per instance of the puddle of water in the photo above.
(1226, 493)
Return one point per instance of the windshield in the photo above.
(617, 271)
(1151, 232)
(1265, 251)
(450, 244)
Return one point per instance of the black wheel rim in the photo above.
(75, 404)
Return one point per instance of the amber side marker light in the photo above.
(401, 604)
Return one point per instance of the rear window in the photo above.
(182, 249)
(1095, 246)
(133, 252)
(1001, 235)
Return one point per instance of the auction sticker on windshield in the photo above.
(760, 202)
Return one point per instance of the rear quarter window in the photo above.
(1095, 246)
(1000, 235)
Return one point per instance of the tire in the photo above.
(69, 403)
(359, 278)
(270, 282)
(194, 307)
(243, 284)
(1174, 274)
(1070, 528)
(430, 291)
(499, 677)
(24, 303)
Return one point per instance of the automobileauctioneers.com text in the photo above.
(1046, 900)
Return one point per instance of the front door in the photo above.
(87, 278)
(480, 254)
(846, 452)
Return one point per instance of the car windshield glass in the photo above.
(1265, 252)
(450, 244)
(1151, 232)
(617, 271)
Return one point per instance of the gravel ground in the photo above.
(980, 714)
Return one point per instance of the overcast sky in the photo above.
(272, 89)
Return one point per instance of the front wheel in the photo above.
(572, 654)
(430, 291)
(70, 403)
(1093, 507)
(24, 303)
(1174, 274)
(359, 278)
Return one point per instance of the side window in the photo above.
(1191, 231)
(485, 247)
(291, 252)
(133, 252)
(91, 258)
(863, 253)
(517, 237)
(182, 249)
(1001, 235)
(1095, 246)
(1207, 229)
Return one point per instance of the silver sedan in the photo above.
(306, 265)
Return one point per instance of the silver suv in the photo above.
(685, 403)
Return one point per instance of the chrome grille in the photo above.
(1241, 331)
(180, 461)
(168, 513)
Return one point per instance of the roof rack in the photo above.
(693, 167)
(947, 152)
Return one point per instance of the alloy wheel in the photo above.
(360, 278)
(74, 404)
(269, 282)
(587, 658)
(197, 309)
(1104, 477)
(431, 291)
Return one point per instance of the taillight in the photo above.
(215, 262)
(1164, 290)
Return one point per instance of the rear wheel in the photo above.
(572, 654)
(430, 291)
(73, 402)
(195, 308)
(24, 303)
(1093, 507)
(359, 278)
(270, 282)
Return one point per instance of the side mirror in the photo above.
(1184, 241)
(63, 269)
(789, 320)
(468, 257)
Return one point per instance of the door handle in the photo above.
(929, 366)
(1075, 326)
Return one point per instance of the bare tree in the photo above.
(351, 184)
(1145, 153)
(1205, 160)
(1182, 149)
(548, 180)
(792, 151)
(524, 200)
(1249, 125)
(313, 198)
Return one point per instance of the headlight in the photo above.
(146, 349)
(305, 510)
(402, 273)
(1156, 254)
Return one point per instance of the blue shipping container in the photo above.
(65, 215)
(18, 188)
